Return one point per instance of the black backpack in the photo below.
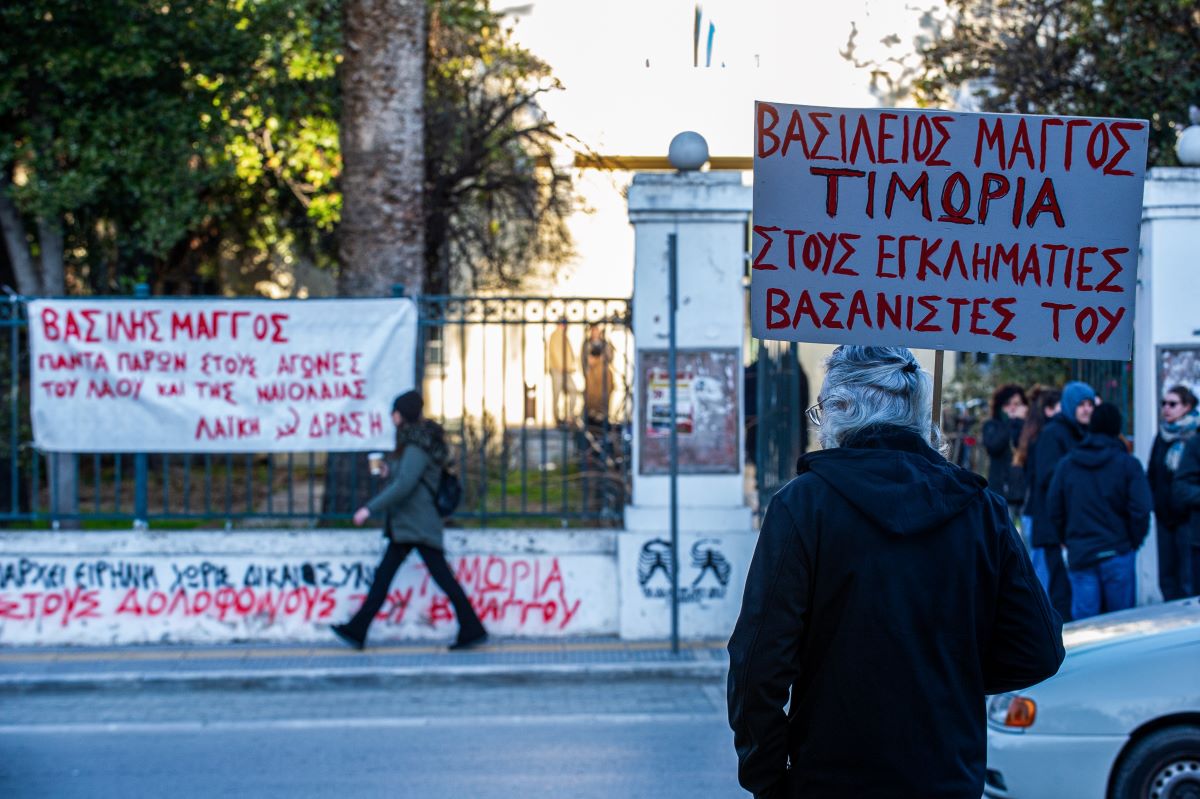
(448, 495)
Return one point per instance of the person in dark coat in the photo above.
(887, 595)
(1045, 403)
(1179, 421)
(1099, 504)
(411, 521)
(1001, 436)
(1185, 489)
(1060, 435)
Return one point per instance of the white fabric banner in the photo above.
(218, 375)
(970, 232)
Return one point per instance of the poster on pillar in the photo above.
(1178, 365)
(974, 232)
(183, 375)
(707, 417)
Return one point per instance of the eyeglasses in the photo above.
(814, 414)
(1170, 403)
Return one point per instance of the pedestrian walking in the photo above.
(411, 521)
(1099, 504)
(887, 595)
(598, 377)
(1045, 404)
(1179, 420)
(1061, 434)
(1001, 436)
(1186, 491)
(562, 364)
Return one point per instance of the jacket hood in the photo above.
(1096, 450)
(895, 479)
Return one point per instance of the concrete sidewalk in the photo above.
(333, 664)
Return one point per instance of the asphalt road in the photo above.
(654, 739)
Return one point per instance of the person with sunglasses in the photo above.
(1178, 426)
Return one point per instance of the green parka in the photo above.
(406, 502)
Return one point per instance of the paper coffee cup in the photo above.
(375, 459)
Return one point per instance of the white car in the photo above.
(1120, 720)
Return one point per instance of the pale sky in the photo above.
(616, 105)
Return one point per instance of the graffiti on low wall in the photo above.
(78, 600)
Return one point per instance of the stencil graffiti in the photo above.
(709, 578)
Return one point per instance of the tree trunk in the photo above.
(64, 466)
(50, 241)
(381, 236)
(17, 243)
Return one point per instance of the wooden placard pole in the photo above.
(939, 358)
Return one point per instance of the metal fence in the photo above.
(533, 393)
(777, 394)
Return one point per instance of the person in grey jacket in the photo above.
(411, 521)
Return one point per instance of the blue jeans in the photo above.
(1036, 554)
(1107, 586)
(1027, 532)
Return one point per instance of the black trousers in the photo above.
(469, 625)
(1175, 573)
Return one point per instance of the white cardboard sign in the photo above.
(218, 376)
(973, 232)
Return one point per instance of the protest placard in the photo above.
(218, 375)
(974, 232)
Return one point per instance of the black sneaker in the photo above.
(343, 631)
(469, 643)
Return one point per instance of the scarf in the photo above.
(1177, 434)
(426, 434)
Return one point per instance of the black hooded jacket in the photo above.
(1000, 438)
(1058, 437)
(888, 594)
(1185, 490)
(1099, 501)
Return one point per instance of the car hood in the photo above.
(1112, 629)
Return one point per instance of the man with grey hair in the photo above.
(888, 594)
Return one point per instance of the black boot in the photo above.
(469, 641)
(348, 635)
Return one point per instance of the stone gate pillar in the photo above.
(709, 214)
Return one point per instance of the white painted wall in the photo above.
(111, 588)
(125, 587)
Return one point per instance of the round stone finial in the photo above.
(1188, 145)
(688, 151)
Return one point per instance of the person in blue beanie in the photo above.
(1061, 435)
(1099, 504)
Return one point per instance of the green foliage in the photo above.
(196, 145)
(495, 202)
(1114, 58)
(109, 118)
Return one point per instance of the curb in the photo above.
(278, 679)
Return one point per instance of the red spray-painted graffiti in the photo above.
(518, 591)
(516, 594)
